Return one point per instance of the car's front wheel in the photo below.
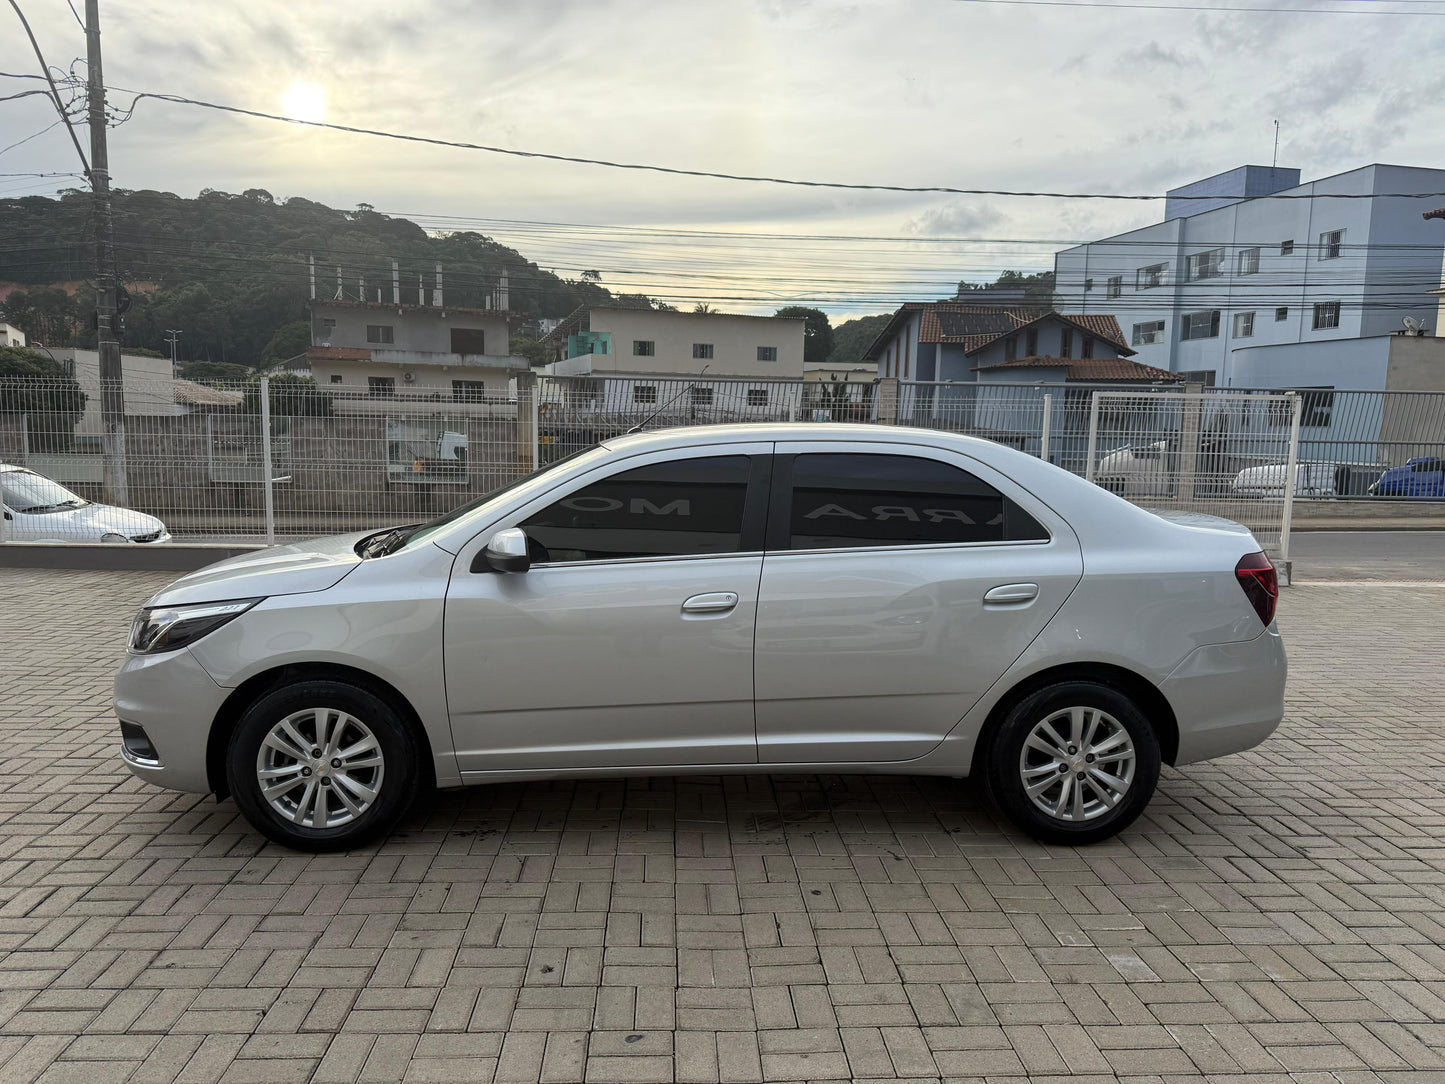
(322, 765)
(1072, 763)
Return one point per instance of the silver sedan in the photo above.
(761, 598)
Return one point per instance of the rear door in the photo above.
(899, 583)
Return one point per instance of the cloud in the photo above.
(956, 218)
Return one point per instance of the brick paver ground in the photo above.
(1277, 916)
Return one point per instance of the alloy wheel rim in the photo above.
(320, 768)
(1077, 764)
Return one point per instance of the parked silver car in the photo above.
(762, 598)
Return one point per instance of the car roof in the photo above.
(752, 432)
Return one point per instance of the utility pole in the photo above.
(107, 343)
(173, 336)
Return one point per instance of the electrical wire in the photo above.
(177, 99)
(59, 106)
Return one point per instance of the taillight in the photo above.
(1256, 575)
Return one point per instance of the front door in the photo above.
(629, 642)
(898, 586)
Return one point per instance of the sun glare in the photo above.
(304, 101)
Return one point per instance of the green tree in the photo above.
(214, 371)
(531, 349)
(292, 396)
(817, 333)
(47, 314)
(289, 341)
(852, 337)
(41, 389)
(1038, 288)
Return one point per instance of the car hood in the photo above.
(1199, 519)
(95, 520)
(313, 565)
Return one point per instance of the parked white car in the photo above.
(1311, 480)
(40, 510)
(1138, 470)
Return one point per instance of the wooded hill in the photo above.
(231, 270)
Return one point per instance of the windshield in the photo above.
(24, 491)
(427, 530)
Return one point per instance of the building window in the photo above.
(1286, 248)
(380, 333)
(1204, 265)
(1031, 342)
(1116, 285)
(1316, 406)
(1088, 348)
(1199, 376)
(702, 350)
(1248, 261)
(1088, 285)
(336, 378)
(767, 353)
(1243, 325)
(1327, 315)
(701, 396)
(1332, 243)
(1146, 278)
(1066, 343)
(1149, 334)
(1281, 313)
(381, 387)
(1011, 348)
(1199, 325)
(469, 391)
(644, 393)
(328, 324)
(757, 397)
(469, 340)
(644, 348)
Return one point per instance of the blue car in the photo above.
(1422, 477)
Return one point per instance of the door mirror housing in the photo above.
(506, 552)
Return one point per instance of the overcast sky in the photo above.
(909, 92)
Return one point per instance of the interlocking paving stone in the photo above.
(1275, 916)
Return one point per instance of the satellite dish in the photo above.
(1411, 324)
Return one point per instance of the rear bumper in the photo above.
(1227, 697)
(173, 700)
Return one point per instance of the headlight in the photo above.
(166, 628)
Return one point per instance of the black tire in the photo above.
(399, 775)
(1003, 760)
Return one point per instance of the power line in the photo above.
(177, 99)
(55, 93)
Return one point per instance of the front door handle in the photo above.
(1013, 592)
(716, 602)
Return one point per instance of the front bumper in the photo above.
(173, 700)
(1228, 697)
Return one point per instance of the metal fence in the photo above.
(275, 459)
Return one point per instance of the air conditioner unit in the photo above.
(410, 378)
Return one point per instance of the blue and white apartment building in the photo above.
(1254, 280)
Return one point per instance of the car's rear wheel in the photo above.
(1072, 763)
(322, 765)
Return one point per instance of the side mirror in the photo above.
(506, 552)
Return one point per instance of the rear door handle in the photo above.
(1013, 592)
(716, 602)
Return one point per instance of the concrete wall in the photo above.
(1416, 363)
(735, 341)
(426, 377)
(413, 327)
(1363, 279)
(147, 385)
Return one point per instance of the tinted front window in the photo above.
(897, 500)
(692, 506)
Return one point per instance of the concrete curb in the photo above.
(113, 557)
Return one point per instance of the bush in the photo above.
(40, 388)
(291, 396)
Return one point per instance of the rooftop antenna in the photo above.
(643, 424)
(1275, 163)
